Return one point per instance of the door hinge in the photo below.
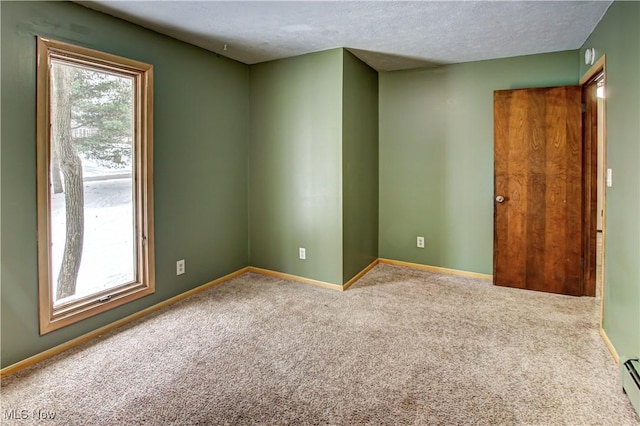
(584, 107)
(582, 263)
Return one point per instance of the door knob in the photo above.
(500, 199)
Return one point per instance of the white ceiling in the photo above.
(388, 35)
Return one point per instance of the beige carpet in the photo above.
(400, 347)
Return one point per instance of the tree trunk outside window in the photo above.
(71, 168)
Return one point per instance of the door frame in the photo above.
(590, 183)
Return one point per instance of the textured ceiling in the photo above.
(388, 35)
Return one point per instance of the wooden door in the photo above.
(538, 189)
(590, 176)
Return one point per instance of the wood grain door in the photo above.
(538, 189)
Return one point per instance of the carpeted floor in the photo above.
(399, 347)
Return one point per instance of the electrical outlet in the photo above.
(420, 242)
(302, 253)
(180, 268)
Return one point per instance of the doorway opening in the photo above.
(594, 143)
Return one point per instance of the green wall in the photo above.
(313, 166)
(295, 164)
(436, 155)
(200, 165)
(618, 37)
(359, 166)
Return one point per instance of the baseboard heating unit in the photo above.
(630, 377)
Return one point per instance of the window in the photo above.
(95, 195)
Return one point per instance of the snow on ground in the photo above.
(108, 250)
